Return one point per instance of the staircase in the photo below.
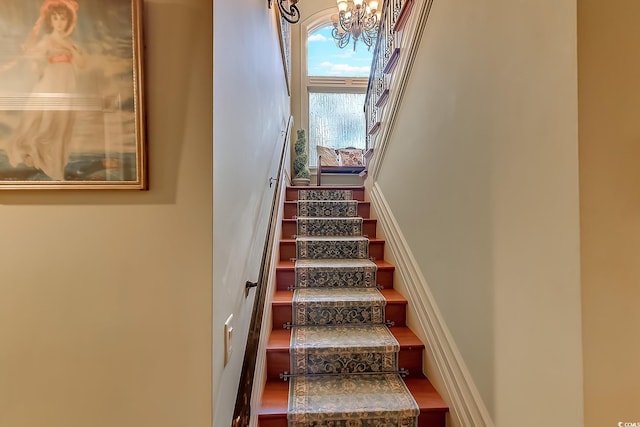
(340, 339)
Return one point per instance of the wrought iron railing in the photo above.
(242, 411)
(385, 58)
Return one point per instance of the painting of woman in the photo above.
(71, 94)
(42, 137)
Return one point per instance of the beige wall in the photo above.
(481, 174)
(105, 306)
(609, 94)
(251, 109)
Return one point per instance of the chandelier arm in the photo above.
(371, 31)
(341, 39)
(368, 40)
(343, 42)
(371, 22)
(346, 22)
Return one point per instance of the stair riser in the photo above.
(291, 210)
(429, 419)
(433, 410)
(288, 250)
(425, 419)
(352, 248)
(292, 193)
(270, 421)
(289, 229)
(285, 277)
(395, 312)
(278, 362)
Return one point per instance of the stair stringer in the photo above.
(260, 374)
(461, 394)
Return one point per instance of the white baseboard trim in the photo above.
(465, 402)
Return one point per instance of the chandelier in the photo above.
(357, 19)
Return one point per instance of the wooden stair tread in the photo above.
(290, 209)
(360, 202)
(290, 227)
(285, 273)
(282, 307)
(382, 265)
(280, 339)
(288, 248)
(325, 187)
(293, 241)
(279, 356)
(295, 202)
(426, 395)
(391, 295)
(274, 399)
(291, 193)
(365, 220)
(276, 394)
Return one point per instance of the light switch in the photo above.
(228, 335)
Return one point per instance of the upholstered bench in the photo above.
(349, 160)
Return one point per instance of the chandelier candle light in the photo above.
(359, 19)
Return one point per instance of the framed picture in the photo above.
(71, 95)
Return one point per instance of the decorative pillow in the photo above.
(351, 157)
(328, 156)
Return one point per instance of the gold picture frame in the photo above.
(71, 95)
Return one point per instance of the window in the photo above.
(325, 59)
(334, 92)
(335, 120)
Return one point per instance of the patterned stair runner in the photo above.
(327, 226)
(337, 306)
(329, 273)
(344, 360)
(328, 247)
(327, 208)
(351, 400)
(343, 349)
(324, 194)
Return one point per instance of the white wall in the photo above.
(251, 109)
(481, 174)
(105, 297)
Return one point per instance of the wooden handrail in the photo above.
(242, 411)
